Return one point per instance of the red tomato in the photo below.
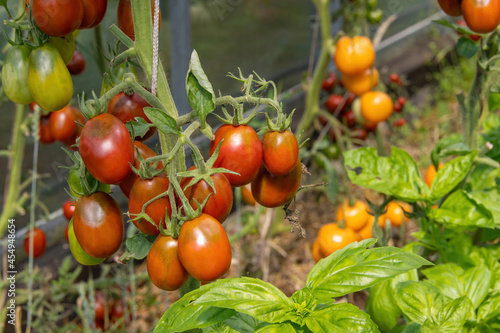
(145, 152)
(77, 64)
(481, 16)
(474, 38)
(69, 209)
(93, 13)
(395, 78)
(398, 107)
(329, 82)
(274, 191)
(100, 305)
(127, 107)
(401, 101)
(125, 19)
(80, 121)
(204, 248)
(451, 7)
(107, 149)
(39, 242)
(219, 204)
(66, 233)
(62, 123)
(335, 103)
(280, 152)
(164, 267)
(246, 194)
(143, 191)
(360, 134)
(399, 122)
(98, 224)
(57, 18)
(241, 152)
(44, 130)
(349, 118)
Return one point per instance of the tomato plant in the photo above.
(98, 224)
(240, 151)
(164, 267)
(39, 242)
(204, 248)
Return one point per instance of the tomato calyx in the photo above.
(283, 122)
(80, 180)
(147, 170)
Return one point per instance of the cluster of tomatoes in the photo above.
(353, 224)
(114, 310)
(481, 16)
(62, 125)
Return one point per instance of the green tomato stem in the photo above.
(13, 179)
(99, 52)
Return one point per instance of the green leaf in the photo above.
(457, 27)
(137, 247)
(138, 127)
(412, 328)
(490, 200)
(483, 177)
(450, 318)
(494, 101)
(449, 145)
(165, 123)
(340, 318)
(277, 328)
(491, 133)
(418, 300)
(243, 323)
(219, 328)
(476, 282)
(450, 175)
(461, 208)
(467, 48)
(355, 268)
(254, 297)
(381, 304)
(490, 308)
(199, 89)
(396, 175)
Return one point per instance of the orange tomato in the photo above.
(246, 194)
(361, 83)
(355, 217)
(395, 213)
(430, 174)
(332, 238)
(376, 106)
(366, 232)
(354, 55)
(482, 16)
(316, 251)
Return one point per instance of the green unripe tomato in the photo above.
(371, 4)
(375, 16)
(76, 186)
(65, 45)
(49, 80)
(77, 251)
(15, 73)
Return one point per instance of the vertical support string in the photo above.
(156, 25)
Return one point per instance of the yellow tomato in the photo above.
(430, 174)
(395, 212)
(332, 238)
(376, 106)
(354, 55)
(355, 217)
(361, 83)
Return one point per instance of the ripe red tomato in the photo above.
(57, 18)
(246, 194)
(349, 118)
(100, 305)
(335, 103)
(401, 100)
(69, 209)
(62, 123)
(39, 242)
(125, 19)
(98, 224)
(204, 248)
(329, 82)
(44, 130)
(219, 204)
(127, 107)
(93, 13)
(164, 267)
(143, 191)
(107, 149)
(395, 78)
(481, 16)
(399, 122)
(77, 64)
(117, 310)
(80, 121)
(451, 7)
(241, 152)
(145, 152)
(280, 152)
(274, 191)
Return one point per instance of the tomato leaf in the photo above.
(461, 208)
(137, 247)
(138, 127)
(450, 318)
(418, 300)
(450, 175)
(200, 93)
(467, 48)
(396, 175)
(165, 123)
(355, 268)
(381, 304)
(342, 317)
(457, 27)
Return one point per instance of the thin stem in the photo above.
(99, 56)
(14, 171)
(380, 140)
(235, 102)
